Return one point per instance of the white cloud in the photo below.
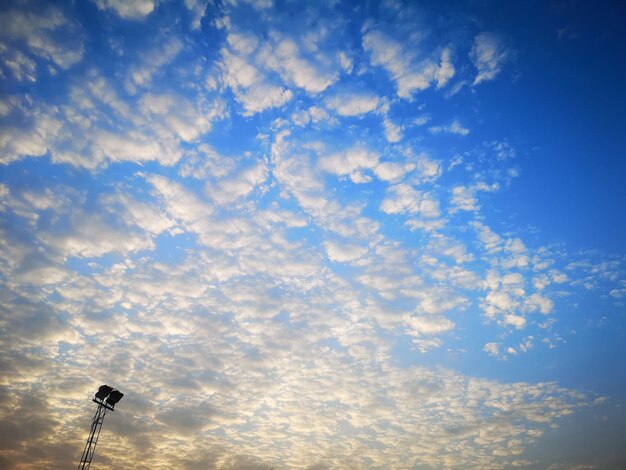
(197, 9)
(393, 132)
(151, 62)
(229, 189)
(344, 252)
(518, 254)
(446, 68)
(425, 345)
(304, 181)
(539, 302)
(507, 299)
(238, 72)
(258, 5)
(32, 139)
(439, 300)
(128, 9)
(98, 90)
(421, 120)
(526, 344)
(465, 197)
(21, 67)
(116, 147)
(491, 240)
(180, 203)
(284, 56)
(141, 214)
(352, 104)
(296, 173)
(447, 246)
(236, 282)
(488, 54)
(175, 114)
(410, 75)
(492, 349)
(93, 236)
(4, 195)
(403, 198)
(250, 86)
(428, 325)
(351, 162)
(620, 291)
(314, 115)
(393, 171)
(6, 106)
(517, 321)
(47, 33)
(427, 170)
(274, 216)
(345, 61)
(454, 128)
(206, 162)
(100, 125)
(500, 301)
(502, 149)
(263, 96)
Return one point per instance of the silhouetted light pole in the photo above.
(106, 398)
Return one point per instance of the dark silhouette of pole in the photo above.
(112, 397)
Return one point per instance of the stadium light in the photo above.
(103, 392)
(112, 396)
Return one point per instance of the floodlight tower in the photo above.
(106, 398)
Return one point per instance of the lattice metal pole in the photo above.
(112, 396)
(94, 434)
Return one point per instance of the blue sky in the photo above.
(313, 234)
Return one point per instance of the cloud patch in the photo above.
(488, 55)
(409, 74)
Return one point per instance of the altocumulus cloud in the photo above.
(235, 213)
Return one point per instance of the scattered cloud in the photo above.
(402, 198)
(286, 59)
(492, 349)
(488, 55)
(241, 211)
(409, 74)
(151, 62)
(341, 252)
(454, 128)
(352, 104)
(393, 132)
(352, 162)
(44, 31)
(421, 120)
(255, 92)
(128, 9)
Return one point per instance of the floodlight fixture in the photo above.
(112, 396)
(103, 392)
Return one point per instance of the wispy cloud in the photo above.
(488, 54)
(454, 128)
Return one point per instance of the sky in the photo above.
(313, 235)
